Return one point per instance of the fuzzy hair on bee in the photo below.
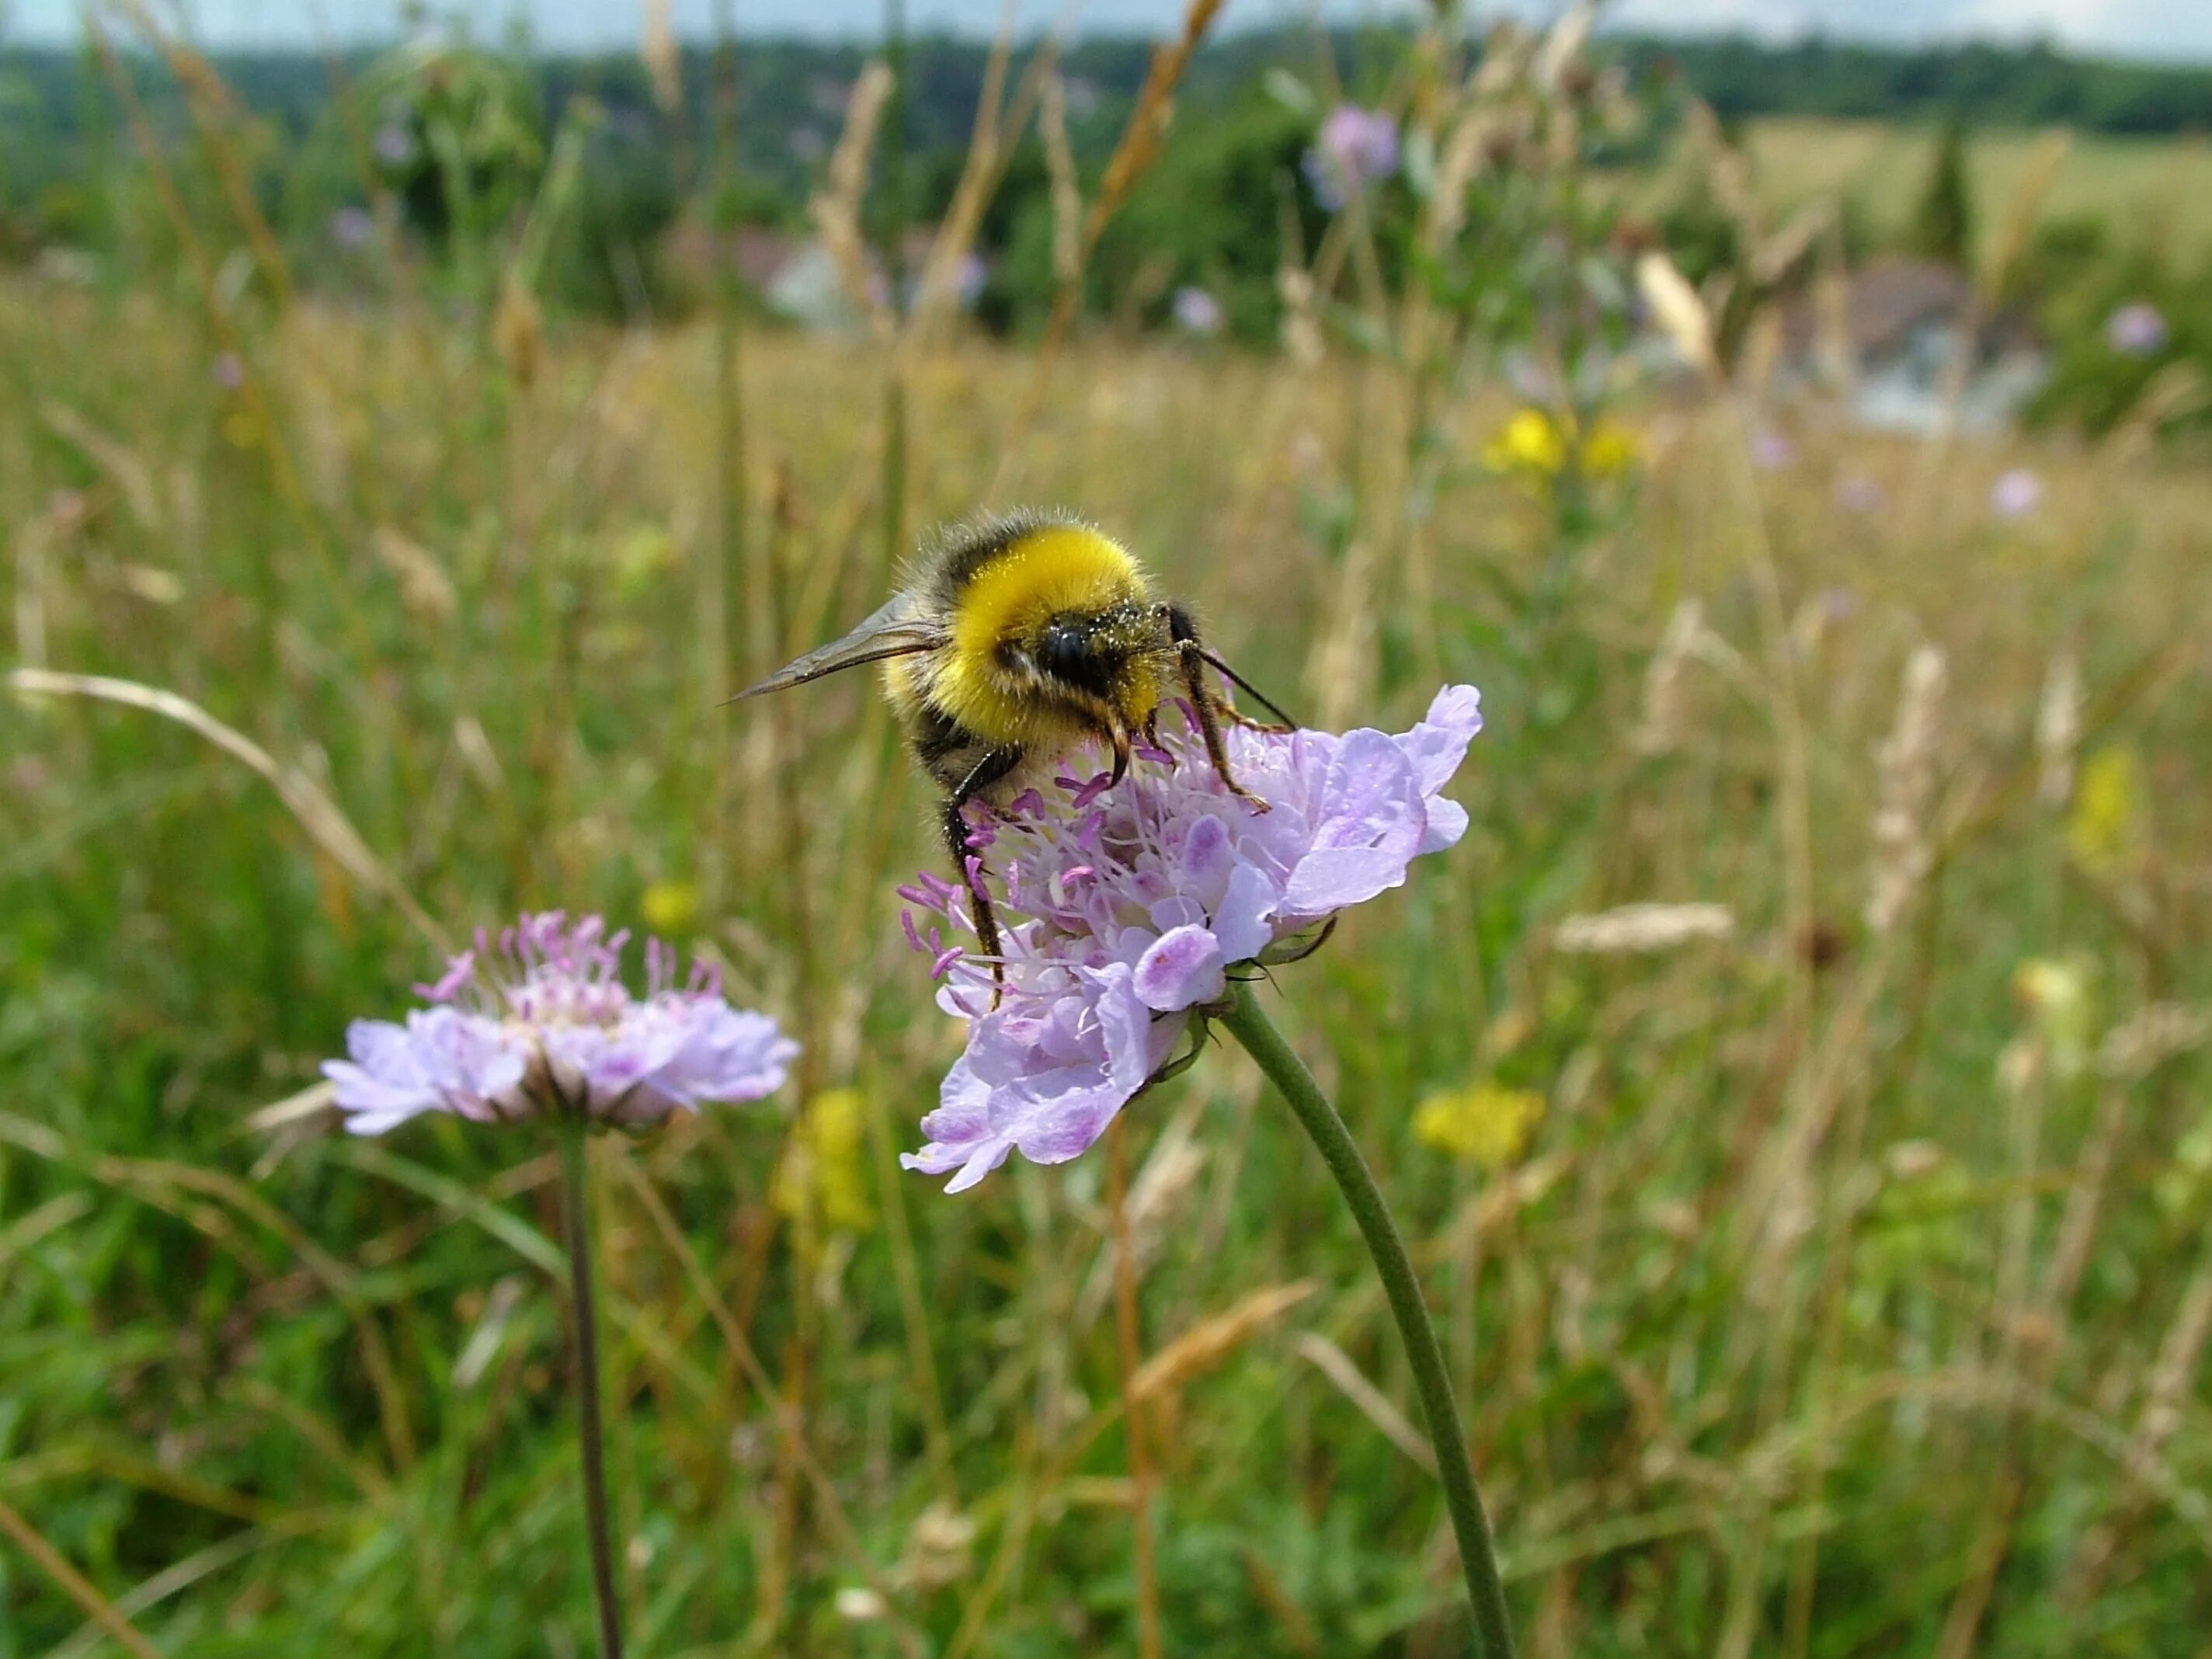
(1013, 640)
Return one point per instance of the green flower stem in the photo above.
(1252, 1028)
(584, 1322)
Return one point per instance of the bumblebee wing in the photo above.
(899, 629)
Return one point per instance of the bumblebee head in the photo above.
(1055, 633)
(1094, 651)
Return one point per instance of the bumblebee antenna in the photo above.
(1245, 685)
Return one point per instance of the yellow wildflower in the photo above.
(1486, 1123)
(1538, 445)
(821, 1165)
(2105, 831)
(2057, 996)
(669, 906)
(1610, 450)
(1532, 442)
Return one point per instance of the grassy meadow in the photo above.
(1827, 1274)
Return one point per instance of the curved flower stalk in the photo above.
(540, 1026)
(1130, 907)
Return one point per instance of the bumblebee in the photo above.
(1013, 641)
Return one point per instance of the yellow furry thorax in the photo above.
(1054, 570)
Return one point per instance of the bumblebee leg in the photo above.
(995, 764)
(1191, 658)
(1117, 735)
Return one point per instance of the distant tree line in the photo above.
(1980, 84)
(56, 110)
(467, 142)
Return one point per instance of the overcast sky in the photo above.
(2169, 30)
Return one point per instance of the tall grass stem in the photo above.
(584, 1325)
(1249, 1023)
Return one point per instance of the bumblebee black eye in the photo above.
(1064, 653)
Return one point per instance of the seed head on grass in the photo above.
(1133, 905)
(540, 1024)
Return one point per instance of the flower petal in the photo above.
(1183, 967)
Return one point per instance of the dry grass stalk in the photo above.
(74, 1584)
(1727, 173)
(1140, 138)
(1838, 358)
(2172, 1375)
(1660, 731)
(1137, 1425)
(663, 61)
(1339, 671)
(117, 461)
(1138, 144)
(1206, 1344)
(1638, 929)
(1678, 312)
(218, 114)
(1459, 160)
(2151, 1036)
(424, 587)
(34, 542)
(1066, 191)
(2024, 210)
(1562, 47)
(1302, 343)
(1156, 1197)
(2177, 391)
(1333, 1362)
(1905, 783)
(2058, 727)
(315, 811)
(837, 208)
(998, 123)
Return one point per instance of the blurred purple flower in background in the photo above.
(395, 145)
(2137, 330)
(1858, 494)
(1129, 905)
(543, 1026)
(1354, 148)
(1196, 312)
(351, 226)
(1771, 450)
(969, 279)
(2016, 494)
(229, 370)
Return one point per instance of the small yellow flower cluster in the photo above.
(1537, 444)
(2107, 832)
(821, 1165)
(1485, 1123)
(670, 907)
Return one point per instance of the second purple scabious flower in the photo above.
(539, 1024)
(1131, 906)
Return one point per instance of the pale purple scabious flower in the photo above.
(1858, 494)
(351, 226)
(1771, 451)
(1196, 312)
(542, 1025)
(969, 279)
(2137, 330)
(1128, 907)
(1354, 148)
(2016, 494)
